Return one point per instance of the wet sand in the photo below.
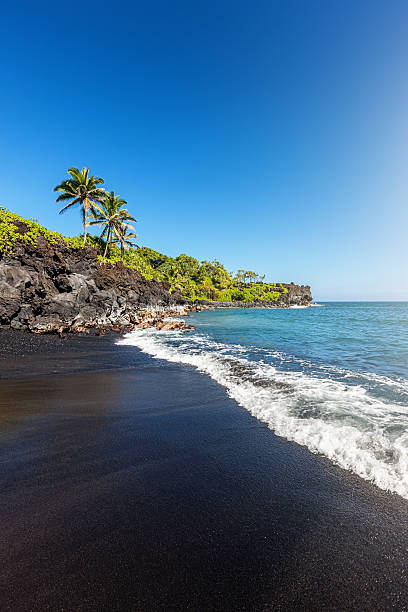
(129, 483)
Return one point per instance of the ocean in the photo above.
(332, 378)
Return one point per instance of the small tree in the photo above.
(240, 276)
(251, 276)
(114, 220)
(123, 235)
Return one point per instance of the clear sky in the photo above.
(270, 135)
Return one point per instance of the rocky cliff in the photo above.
(48, 288)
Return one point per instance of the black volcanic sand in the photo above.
(129, 483)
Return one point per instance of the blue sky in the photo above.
(269, 135)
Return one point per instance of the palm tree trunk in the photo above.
(84, 217)
(107, 241)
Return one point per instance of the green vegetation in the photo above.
(13, 228)
(205, 280)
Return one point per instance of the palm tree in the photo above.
(82, 189)
(124, 236)
(111, 216)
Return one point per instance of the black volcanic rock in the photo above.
(53, 288)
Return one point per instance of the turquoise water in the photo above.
(368, 337)
(333, 378)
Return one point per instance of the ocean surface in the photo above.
(333, 378)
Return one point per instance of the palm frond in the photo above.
(76, 201)
(75, 173)
(128, 226)
(99, 209)
(97, 194)
(64, 186)
(65, 196)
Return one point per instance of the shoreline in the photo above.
(148, 316)
(256, 305)
(122, 471)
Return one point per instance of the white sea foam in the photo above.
(342, 421)
(397, 384)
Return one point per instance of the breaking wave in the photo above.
(358, 420)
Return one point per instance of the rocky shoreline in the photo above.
(154, 318)
(53, 288)
(49, 288)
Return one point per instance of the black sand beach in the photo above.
(129, 483)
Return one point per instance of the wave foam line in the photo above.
(354, 430)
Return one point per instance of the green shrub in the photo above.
(13, 228)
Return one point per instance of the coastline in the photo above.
(134, 483)
(255, 305)
(143, 317)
